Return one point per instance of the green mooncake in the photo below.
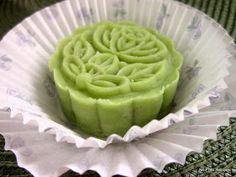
(111, 76)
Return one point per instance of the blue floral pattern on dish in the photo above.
(195, 27)
(191, 121)
(198, 90)
(53, 14)
(161, 17)
(86, 14)
(17, 94)
(171, 122)
(189, 130)
(119, 10)
(187, 112)
(192, 71)
(232, 51)
(215, 95)
(25, 39)
(49, 86)
(19, 142)
(5, 109)
(5, 62)
(226, 101)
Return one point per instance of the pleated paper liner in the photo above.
(27, 88)
(155, 151)
(24, 54)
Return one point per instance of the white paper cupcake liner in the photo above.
(155, 151)
(207, 72)
(25, 51)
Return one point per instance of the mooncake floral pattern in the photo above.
(105, 73)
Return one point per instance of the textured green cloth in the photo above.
(218, 157)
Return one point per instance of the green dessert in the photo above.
(111, 76)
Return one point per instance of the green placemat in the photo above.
(218, 157)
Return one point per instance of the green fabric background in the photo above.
(218, 157)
